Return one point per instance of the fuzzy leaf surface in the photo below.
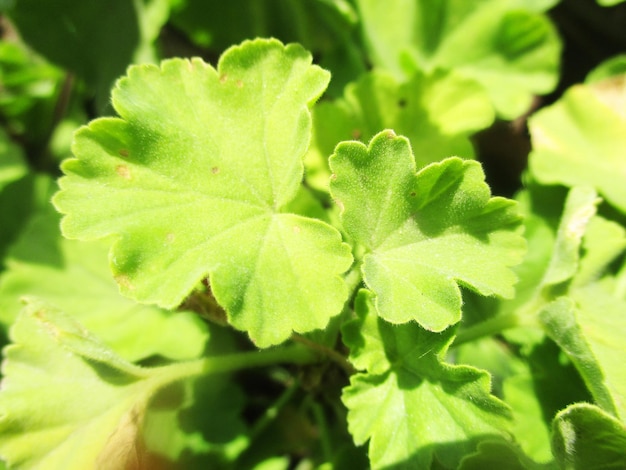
(73, 276)
(580, 140)
(192, 180)
(586, 437)
(67, 400)
(510, 49)
(416, 407)
(424, 233)
(437, 112)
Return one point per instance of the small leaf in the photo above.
(424, 232)
(419, 408)
(193, 179)
(585, 437)
(63, 390)
(437, 112)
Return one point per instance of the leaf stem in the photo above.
(290, 354)
(335, 356)
(489, 327)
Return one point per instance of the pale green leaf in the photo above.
(437, 112)
(192, 180)
(580, 140)
(512, 51)
(580, 207)
(74, 277)
(424, 233)
(67, 400)
(586, 438)
(420, 408)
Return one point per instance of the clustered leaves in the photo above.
(231, 274)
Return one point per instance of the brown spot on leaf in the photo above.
(215, 170)
(123, 171)
(223, 78)
(124, 281)
(239, 84)
(124, 153)
(356, 134)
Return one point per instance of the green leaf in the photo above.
(498, 454)
(192, 179)
(74, 277)
(585, 437)
(579, 140)
(437, 112)
(609, 3)
(419, 408)
(12, 163)
(96, 41)
(610, 68)
(512, 52)
(593, 342)
(424, 232)
(67, 400)
(324, 27)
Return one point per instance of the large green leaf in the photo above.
(437, 112)
(586, 438)
(192, 179)
(580, 140)
(74, 277)
(511, 51)
(68, 401)
(411, 405)
(424, 233)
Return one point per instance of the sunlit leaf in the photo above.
(510, 49)
(580, 140)
(424, 233)
(74, 277)
(192, 179)
(67, 401)
(437, 112)
(419, 408)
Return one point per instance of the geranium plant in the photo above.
(288, 255)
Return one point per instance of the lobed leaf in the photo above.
(424, 233)
(437, 112)
(417, 408)
(192, 181)
(74, 277)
